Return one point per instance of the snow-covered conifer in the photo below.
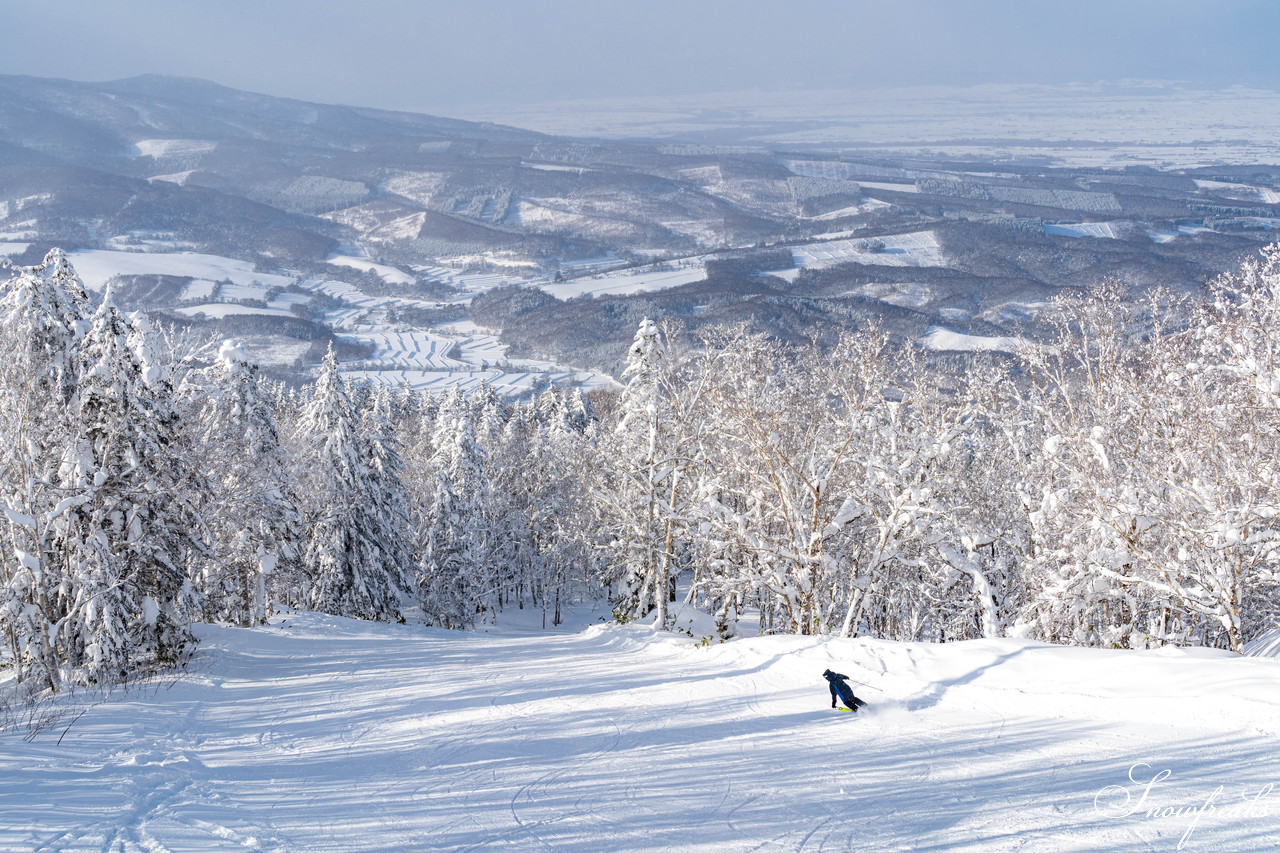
(42, 322)
(133, 525)
(353, 568)
(252, 509)
(453, 586)
(639, 504)
(389, 505)
(541, 538)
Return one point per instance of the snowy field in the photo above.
(1181, 231)
(869, 204)
(344, 292)
(460, 355)
(1105, 230)
(582, 266)
(1105, 125)
(945, 340)
(226, 309)
(324, 734)
(412, 349)
(96, 266)
(386, 273)
(919, 249)
(896, 188)
(640, 280)
(478, 346)
(173, 147)
(510, 382)
(905, 294)
(470, 282)
(1266, 195)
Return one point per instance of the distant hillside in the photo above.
(798, 243)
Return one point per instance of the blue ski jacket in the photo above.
(839, 687)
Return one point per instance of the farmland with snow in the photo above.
(456, 355)
(920, 249)
(1104, 230)
(639, 280)
(410, 349)
(384, 272)
(173, 147)
(97, 266)
(945, 340)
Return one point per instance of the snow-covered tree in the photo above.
(454, 584)
(983, 533)
(1238, 333)
(131, 525)
(1092, 513)
(640, 503)
(347, 553)
(817, 493)
(42, 322)
(98, 492)
(251, 506)
(393, 516)
(541, 536)
(1159, 495)
(768, 502)
(911, 550)
(1225, 483)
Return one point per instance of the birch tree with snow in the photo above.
(1157, 521)
(768, 501)
(1095, 514)
(822, 485)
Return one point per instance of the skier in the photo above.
(839, 687)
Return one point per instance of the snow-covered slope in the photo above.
(1266, 645)
(323, 734)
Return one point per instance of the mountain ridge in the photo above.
(909, 242)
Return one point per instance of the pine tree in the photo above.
(639, 504)
(41, 324)
(252, 509)
(452, 584)
(125, 541)
(353, 567)
(389, 505)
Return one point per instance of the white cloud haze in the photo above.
(430, 55)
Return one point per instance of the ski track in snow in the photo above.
(324, 734)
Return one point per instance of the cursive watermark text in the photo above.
(1148, 796)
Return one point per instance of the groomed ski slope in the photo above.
(323, 734)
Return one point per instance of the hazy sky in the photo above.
(429, 55)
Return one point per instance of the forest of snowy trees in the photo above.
(1116, 485)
